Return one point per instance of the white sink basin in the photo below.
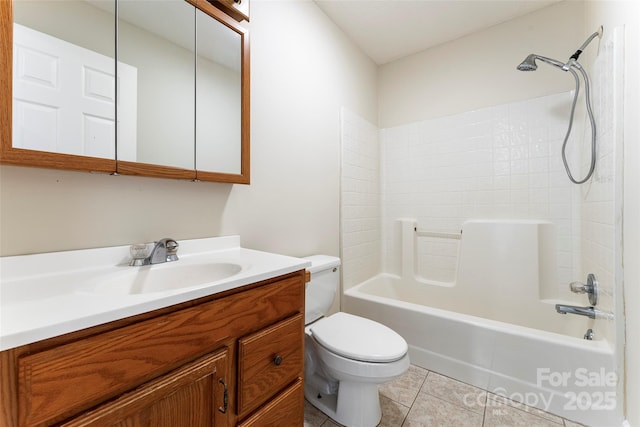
(162, 278)
(50, 294)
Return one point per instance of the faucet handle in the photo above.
(172, 249)
(579, 287)
(139, 253)
(590, 288)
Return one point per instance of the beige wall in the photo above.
(303, 71)
(479, 70)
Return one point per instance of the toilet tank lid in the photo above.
(322, 262)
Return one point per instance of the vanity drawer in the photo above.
(61, 381)
(286, 409)
(268, 360)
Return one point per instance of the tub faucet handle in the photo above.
(590, 288)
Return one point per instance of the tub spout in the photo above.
(584, 311)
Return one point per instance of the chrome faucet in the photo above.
(590, 312)
(164, 250)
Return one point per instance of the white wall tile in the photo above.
(499, 162)
(360, 199)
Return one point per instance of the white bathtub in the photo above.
(495, 325)
(565, 375)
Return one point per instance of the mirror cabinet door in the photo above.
(146, 101)
(222, 97)
(63, 85)
(218, 99)
(156, 81)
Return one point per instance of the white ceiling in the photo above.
(390, 29)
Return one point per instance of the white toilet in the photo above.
(346, 356)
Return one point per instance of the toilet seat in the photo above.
(358, 338)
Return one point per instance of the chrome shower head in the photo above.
(529, 64)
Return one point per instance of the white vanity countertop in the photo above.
(47, 295)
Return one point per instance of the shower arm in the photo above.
(553, 62)
(574, 58)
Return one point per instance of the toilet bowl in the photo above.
(346, 356)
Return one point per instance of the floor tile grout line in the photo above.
(413, 402)
(484, 413)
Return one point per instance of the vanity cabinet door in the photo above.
(191, 396)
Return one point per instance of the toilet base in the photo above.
(355, 405)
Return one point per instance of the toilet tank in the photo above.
(322, 288)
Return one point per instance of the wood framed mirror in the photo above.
(166, 100)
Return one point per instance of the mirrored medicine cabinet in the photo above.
(138, 87)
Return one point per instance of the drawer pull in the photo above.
(277, 360)
(225, 398)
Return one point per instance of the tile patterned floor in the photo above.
(422, 398)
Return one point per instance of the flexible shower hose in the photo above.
(591, 120)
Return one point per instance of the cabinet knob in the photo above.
(237, 1)
(277, 360)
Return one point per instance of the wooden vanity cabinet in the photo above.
(230, 359)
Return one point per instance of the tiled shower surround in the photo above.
(500, 162)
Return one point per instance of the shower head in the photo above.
(529, 64)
